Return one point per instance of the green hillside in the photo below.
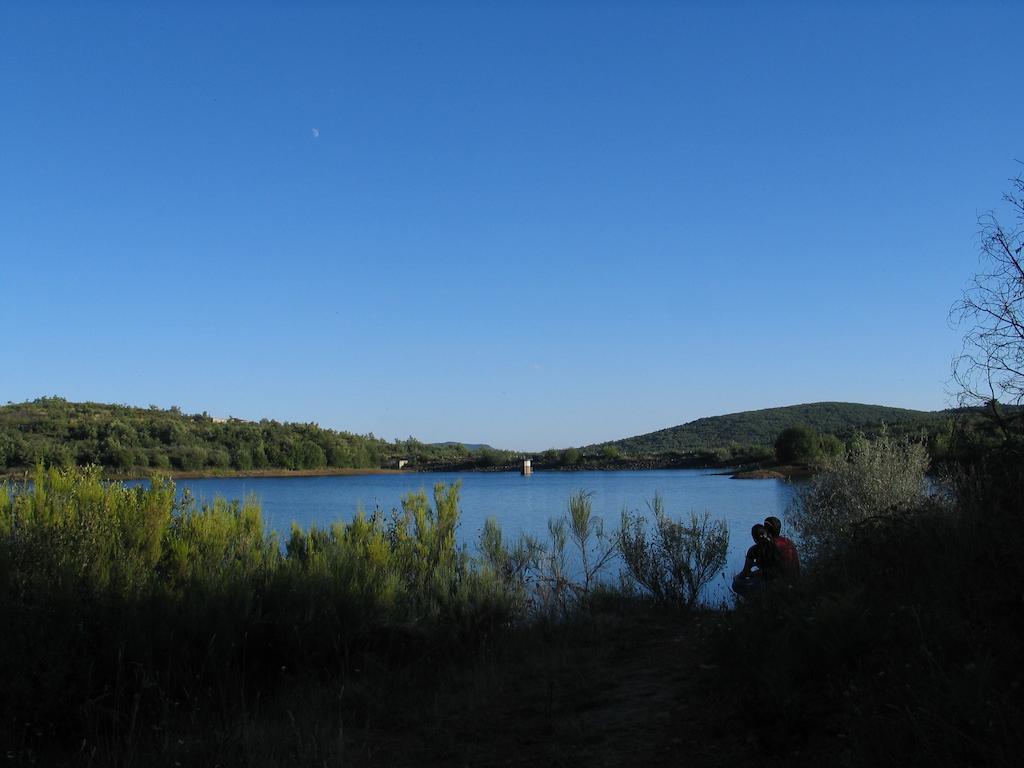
(752, 428)
(125, 439)
(128, 439)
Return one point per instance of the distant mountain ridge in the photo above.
(761, 427)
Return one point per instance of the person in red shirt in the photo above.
(789, 559)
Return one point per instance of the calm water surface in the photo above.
(520, 504)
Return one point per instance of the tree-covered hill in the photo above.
(761, 428)
(123, 438)
(132, 440)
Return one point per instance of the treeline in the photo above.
(60, 433)
(125, 439)
(610, 456)
(962, 438)
(121, 438)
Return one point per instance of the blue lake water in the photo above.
(520, 504)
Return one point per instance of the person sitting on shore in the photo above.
(760, 565)
(788, 558)
(761, 556)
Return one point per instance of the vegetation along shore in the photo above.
(130, 442)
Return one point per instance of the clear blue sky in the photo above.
(528, 224)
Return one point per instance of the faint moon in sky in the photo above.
(316, 133)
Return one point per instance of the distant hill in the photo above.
(750, 428)
(131, 439)
(128, 439)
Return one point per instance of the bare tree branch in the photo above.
(990, 366)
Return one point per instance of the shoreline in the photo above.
(175, 474)
(773, 473)
(782, 472)
(240, 473)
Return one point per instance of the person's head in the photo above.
(773, 525)
(758, 533)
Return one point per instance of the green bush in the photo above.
(875, 479)
(680, 560)
(73, 533)
(830, 446)
(190, 458)
(510, 566)
(611, 452)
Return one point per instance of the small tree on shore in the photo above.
(797, 443)
(680, 559)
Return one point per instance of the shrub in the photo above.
(509, 564)
(219, 458)
(681, 559)
(74, 533)
(875, 479)
(159, 460)
(190, 458)
(830, 445)
(308, 455)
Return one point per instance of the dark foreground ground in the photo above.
(633, 686)
(625, 690)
